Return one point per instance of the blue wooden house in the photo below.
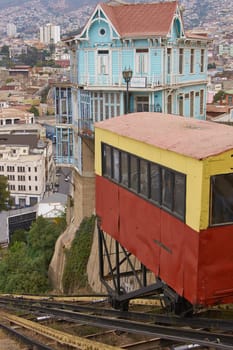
(129, 58)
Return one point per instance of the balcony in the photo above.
(86, 128)
(157, 82)
(118, 81)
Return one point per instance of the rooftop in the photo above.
(190, 137)
(145, 18)
(19, 140)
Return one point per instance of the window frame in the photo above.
(142, 61)
(181, 61)
(192, 61)
(192, 104)
(222, 199)
(202, 61)
(103, 60)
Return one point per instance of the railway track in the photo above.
(173, 329)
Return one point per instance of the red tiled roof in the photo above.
(190, 137)
(142, 19)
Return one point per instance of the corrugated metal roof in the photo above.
(131, 20)
(190, 137)
(22, 140)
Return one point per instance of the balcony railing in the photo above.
(86, 127)
(146, 81)
(117, 80)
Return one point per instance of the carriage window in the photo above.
(143, 177)
(167, 188)
(116, 165)
(221, 199)
(134, 173)
(155, 182)
(179, 195)
(124, 169)
(107, 160)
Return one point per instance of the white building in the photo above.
(11, 30)
(53, 206)
(50, 34)
(11, 116)
(28, 163)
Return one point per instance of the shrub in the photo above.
(75, 276)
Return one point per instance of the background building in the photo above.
(50, 34)
(11, 116)
(26, 157)
(11, 30)
(27, 162)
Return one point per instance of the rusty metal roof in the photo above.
(131, 20)
(19, 140)
(187, 136)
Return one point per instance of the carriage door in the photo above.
(142, 104)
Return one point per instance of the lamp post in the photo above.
(127, 75)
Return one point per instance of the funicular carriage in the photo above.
(164, 193)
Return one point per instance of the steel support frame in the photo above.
(111, 273)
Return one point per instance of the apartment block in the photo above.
(50, 34)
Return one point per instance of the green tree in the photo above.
(219, 96)
(34, 110)
(19, 235)
(211, 65)
(42, 237)
(5, 200)
(5, 50)
(31, 57)
(19, 273)
(77, 256)
(24, 266)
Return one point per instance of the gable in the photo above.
(99, 21)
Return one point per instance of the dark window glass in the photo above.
(179, 195)
(124, 169)
(143, 177)
(116, 165)
(181, 61)
(107, 160)
(155, 186)
(134, 175)
(167, 188)
(221, 199)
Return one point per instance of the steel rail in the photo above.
(24, 338)
(216, 340)
(81, 298)
(223, 325)
(198, 322)
(195, 322)
(58, 336)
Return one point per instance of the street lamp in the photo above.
(127, 75)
